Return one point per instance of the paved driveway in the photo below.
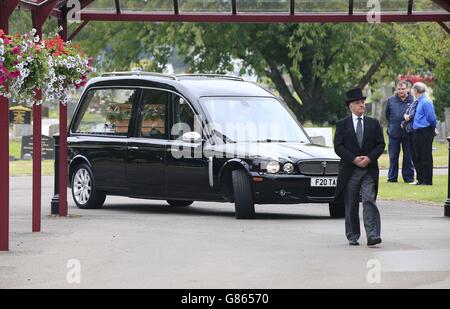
(146, 244)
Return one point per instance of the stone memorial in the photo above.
(48, 147)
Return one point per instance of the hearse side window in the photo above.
(106, 111)
(153, 114)
(184, 119)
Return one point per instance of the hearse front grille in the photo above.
(322, 167)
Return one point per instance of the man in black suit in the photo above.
(359, 142)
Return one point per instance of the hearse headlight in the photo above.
(273, 167)
(288, 168)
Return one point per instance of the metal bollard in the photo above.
(55, 198)
(447, 203)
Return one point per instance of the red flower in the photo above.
(16, 50)
(14, 74)
(3, 75)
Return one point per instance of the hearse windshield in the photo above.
(251, 119)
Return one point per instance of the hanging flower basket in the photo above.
(69, 68)
(52, 65)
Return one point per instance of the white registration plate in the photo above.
(323, 181)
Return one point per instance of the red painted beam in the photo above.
(6, 9)
(264, 18)
(444, 26)
(80, 27)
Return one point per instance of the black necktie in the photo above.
(359, 132)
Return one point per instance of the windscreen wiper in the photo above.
(223, 137)
(268, 140)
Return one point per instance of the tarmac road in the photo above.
(134, 243)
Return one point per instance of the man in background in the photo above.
(395, 109)
(424, 125)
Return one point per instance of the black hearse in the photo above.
(185, 138)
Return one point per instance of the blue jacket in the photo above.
(425, 116)
(395, 109)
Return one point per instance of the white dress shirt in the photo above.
(355, 121)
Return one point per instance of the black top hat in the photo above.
(354, 94)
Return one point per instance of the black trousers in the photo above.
(423, 146)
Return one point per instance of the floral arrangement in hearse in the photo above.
(28, 63)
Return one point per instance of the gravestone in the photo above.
(48, 147)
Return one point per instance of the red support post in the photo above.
(63, 160)
(37, 154)
(4, 174)
(6, 9)
(37, 146)
(38, 16)
(63, 141)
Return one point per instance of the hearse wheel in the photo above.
(243, 195)
(177, 203)
(337, 210)
(84, 192)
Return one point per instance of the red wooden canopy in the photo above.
(235, 11)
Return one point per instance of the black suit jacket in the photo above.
(347, 148)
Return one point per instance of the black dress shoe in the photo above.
(392, 180)
(353, 242)
(374, 241)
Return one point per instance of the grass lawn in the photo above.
(435, 194)
(440, 155)
(25, 168)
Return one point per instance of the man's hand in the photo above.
(407, 117)
(358, 160)
(361, 161)
(365, 161)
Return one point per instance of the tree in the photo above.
(311, 65)
(425, 49)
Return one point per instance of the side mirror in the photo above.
(191, 137)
